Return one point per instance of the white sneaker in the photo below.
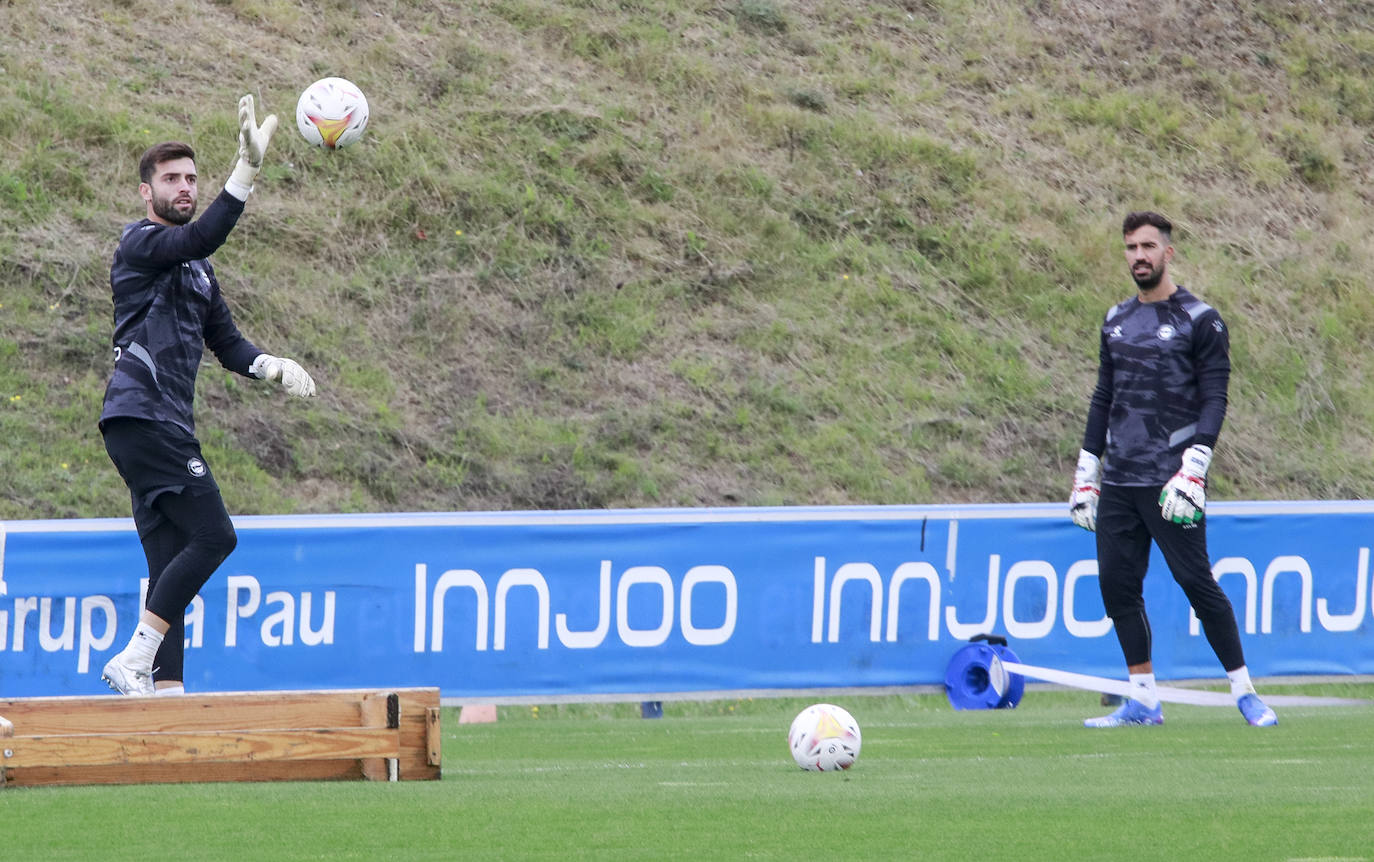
(126, 679)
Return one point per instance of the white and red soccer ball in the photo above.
(824, 738)
(332, 113)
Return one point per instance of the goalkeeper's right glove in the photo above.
(253, 141)
(1087, 490)
(293, 377)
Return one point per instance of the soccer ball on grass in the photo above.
(824, 738)
(332, 113)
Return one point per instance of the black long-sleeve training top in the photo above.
(167, 309)
(1161, 387)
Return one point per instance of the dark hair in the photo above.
(1135, 221)
(159, 153)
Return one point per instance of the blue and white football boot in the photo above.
(1130, 712)
(1255, 711)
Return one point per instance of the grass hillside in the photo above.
(619, 253)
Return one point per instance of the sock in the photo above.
(142, 648)
(1143, 689)
(169, 690)
(1240, 682)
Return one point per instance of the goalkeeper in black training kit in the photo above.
(167, 309)
(1152, 422)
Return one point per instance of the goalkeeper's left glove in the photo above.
(1185, 495)
(252, 149)
(292, 376)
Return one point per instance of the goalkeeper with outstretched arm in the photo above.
(167, 309)
(1152, 422)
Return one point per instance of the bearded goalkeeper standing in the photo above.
(1152, 422)
(167, 309)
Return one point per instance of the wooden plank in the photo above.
(417, 754)
(380, 709)
(94, 749)
(185, 773)
(206, 711)
(434, 740)
(414, 763)
(6, 731)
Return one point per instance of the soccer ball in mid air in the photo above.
(332, 113)
(824, 738)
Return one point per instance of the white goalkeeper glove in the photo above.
(292, 376)
(252, 148)
(1185, 495)
(1087, 490)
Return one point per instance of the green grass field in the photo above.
(715, 779)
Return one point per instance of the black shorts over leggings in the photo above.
(156, 458)
(183, 526)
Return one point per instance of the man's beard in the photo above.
(165, 209)
(1148, 280)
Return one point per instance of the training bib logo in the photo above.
(1165, 332)
(195, 467)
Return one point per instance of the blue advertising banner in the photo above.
(565, 604)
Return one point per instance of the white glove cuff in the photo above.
(259, 367)
(1196, 460)
(240, 182)
(1089, 468)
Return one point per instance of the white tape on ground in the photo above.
(1168, 694)
(1117, 686)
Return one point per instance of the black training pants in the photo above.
(1128, 519)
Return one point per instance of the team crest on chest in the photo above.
(1165, 332)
